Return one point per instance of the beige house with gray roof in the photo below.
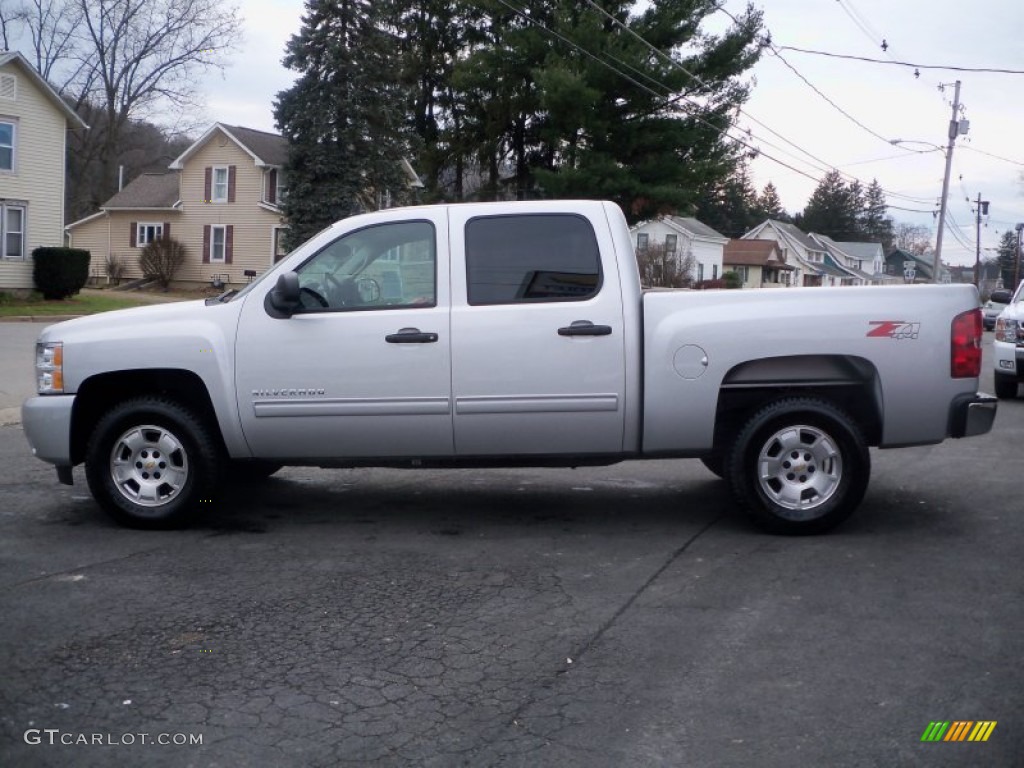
(220, 199)
(34, 122)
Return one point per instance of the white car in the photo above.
(992, 308)
(1008, 346)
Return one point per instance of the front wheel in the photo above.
(151, 462)
(799, 466)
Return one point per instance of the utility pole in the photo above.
(980, 210)
(954, 131)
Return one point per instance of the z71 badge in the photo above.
(894, 329)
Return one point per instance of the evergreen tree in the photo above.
(433, 35)
(834, 208)
(876, 226)
(556, 98)
(1007, 254)
(730, 206)
(344, 118)
(769, 205)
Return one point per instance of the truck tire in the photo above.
(151, 462)
(799, 466)
(1006, 387)
(714, 464)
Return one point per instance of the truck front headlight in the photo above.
(50, 367)
(1006, 330)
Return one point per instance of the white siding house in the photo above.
(682, 237)
(34, 122)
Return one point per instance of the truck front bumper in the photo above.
(47, 424)
(972, 415)
(1009, 359)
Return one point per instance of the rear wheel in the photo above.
(1006, 386)
(151, 462)
(799, 466)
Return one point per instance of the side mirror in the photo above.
(284, 300)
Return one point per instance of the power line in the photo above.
(685, 97)
(950, 67)
(989, 154)
(835, 106)
(746, 114)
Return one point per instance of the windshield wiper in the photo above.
(226, 296)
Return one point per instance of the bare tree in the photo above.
(912, 238)
(660, 268)
(144, 57)
(52, 26)
(119, 61)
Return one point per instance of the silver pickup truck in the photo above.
(496, 335)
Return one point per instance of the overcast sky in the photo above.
(883, 99)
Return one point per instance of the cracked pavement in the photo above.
(597, 617)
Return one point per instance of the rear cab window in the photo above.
(530, 258)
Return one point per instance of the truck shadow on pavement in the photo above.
(462, 502)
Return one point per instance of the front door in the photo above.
(538, 359)
(363, 370)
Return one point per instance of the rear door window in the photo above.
(531, 258)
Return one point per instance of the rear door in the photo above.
(537, 329)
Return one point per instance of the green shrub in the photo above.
(59, 272)
(732, 279)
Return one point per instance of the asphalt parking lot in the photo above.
(623, 616)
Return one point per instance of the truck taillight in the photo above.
(965, 345)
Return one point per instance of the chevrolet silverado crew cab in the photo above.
(1008, 346)
(504, 334)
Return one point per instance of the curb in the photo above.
(38, 318)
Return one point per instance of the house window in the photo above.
(219, 192)
(6, 145)
(700, 271)
(714, 271)
(12, 228)
(671, 243)
(217, 241)
(641, 241)
(147, 232)
(744, 273)
(280, 192)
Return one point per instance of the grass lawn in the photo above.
(11, 306)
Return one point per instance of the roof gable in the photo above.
(796, 234)
(695, 227)
(754, 252)
(16, 59)
(265, 149)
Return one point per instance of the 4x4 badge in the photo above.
(894, 329)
